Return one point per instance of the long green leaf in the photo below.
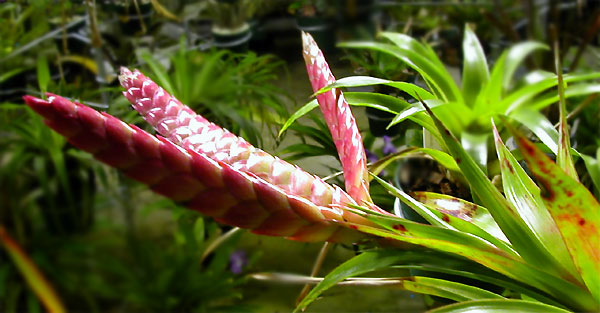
(476, 146)
(525, 94)
(360, 264)
(393, 105)
(437, 77)
(475, 73)
(572, 91)
(446, 289)
(34, 278)
(573, 208)
(497, 306)
(515, 56)
(298, 114)
(361, 81)
(516, 230)
(525, 196)
(539, 124)
(477, 250)
(439, 156)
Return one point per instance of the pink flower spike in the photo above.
(341, 122)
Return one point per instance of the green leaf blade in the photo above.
(475, 68)
(497, 306)
(574, 209)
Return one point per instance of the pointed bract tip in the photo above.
(126, 77)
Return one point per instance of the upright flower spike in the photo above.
(214, 188)
(184, 127)
(341, 122)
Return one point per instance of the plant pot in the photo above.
(320, 29)
(233, 39)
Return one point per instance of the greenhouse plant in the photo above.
(538, 241)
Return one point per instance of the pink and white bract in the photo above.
(211, 170)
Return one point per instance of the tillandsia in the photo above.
(502, 241)
(206, 167)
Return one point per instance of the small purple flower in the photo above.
(237, 261)
(371, 157)
(388, 146)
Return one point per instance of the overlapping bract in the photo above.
(341, 122)
(213, 187)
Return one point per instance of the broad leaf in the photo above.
(515, 56)
(525, 196)
(573, 208)
(516, 230)
(475, 249)
(476, 145)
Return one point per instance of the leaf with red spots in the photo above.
(448, 217)
(573, 208)
(526, 198)
(522, 238)
(465, 216)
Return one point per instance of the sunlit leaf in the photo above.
(539, 124)
(462, 209)
(516, 230)
(361, 81)
(515, 56)
(475, 72)
(441, 157)
(525, 196)
(476, 145)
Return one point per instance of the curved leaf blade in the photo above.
(525, 196)
(574, 209)
(462, 209)
(305, 109)
(516, 230)
(475, 69)
(497, 306)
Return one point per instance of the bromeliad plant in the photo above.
(485, 94)
(541, 245)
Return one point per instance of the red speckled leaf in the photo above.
(525, 196)
(574, 209)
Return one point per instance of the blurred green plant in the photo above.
(246, 93)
